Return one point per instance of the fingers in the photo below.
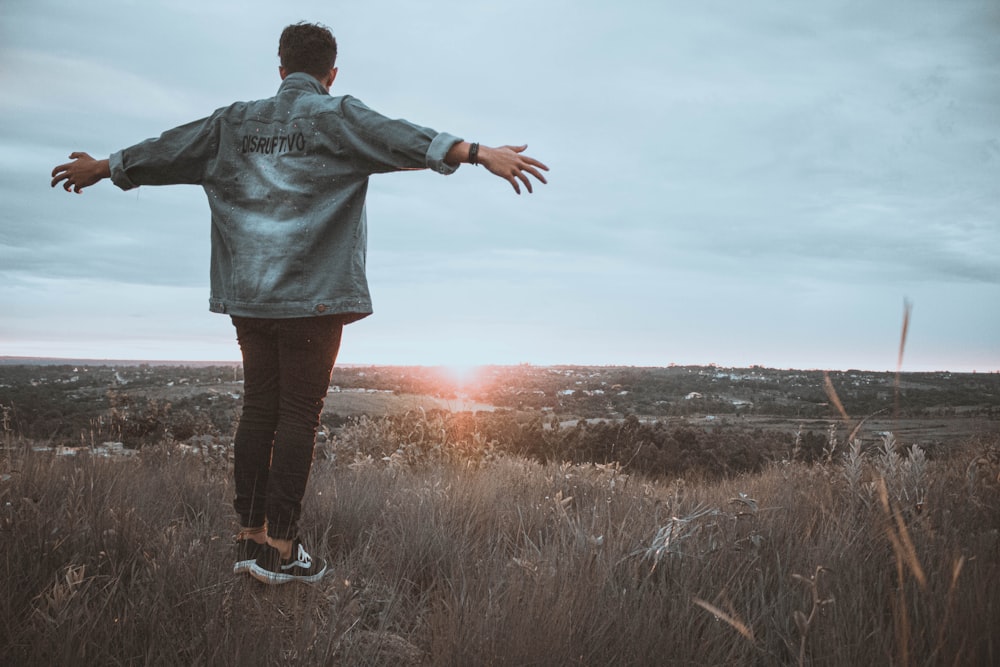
(530, 165)
(70, 173)
(515, 175)
(510, 164)
(60, 175)
(534, 172)
(61, 172)
(525, 158)
(60, 169)
(519, 175)
(71, 182)
(525, 180)
(535, 163)
(58, 179)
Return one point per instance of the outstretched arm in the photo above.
(81, 173)
(507, 162)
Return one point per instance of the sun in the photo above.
(461, 376)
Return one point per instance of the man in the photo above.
(286, 179)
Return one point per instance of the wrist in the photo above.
(458, 153)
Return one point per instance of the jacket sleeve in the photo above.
(384, 144)
(180, 155)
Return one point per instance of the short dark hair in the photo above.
(307, 47)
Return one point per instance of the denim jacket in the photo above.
(286, 179)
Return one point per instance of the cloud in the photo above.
(84, 86)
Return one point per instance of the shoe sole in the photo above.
(277, 578)
(243, 566)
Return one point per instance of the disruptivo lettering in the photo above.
(254, 143)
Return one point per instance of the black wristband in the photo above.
(474, 154)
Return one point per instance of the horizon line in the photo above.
(12, 360)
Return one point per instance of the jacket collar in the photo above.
(304, 82)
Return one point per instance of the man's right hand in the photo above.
(81, 173)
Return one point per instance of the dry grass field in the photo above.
(447, 553)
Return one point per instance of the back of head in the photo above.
(309, 48)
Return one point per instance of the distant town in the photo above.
(60, 399)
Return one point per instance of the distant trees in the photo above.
(72, 406)
(655, 449)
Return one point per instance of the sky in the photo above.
(734, 183)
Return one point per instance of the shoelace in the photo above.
(303, 556)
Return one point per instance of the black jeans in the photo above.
(287, 365)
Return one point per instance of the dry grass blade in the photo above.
(956, 570)
(861, 422)
(736, 623)
(834, 398)
(803, 622)
(902, 543)
(907, 308)
(831, 393)
(906, 557)
(911, 553)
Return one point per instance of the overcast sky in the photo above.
(731, 182)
